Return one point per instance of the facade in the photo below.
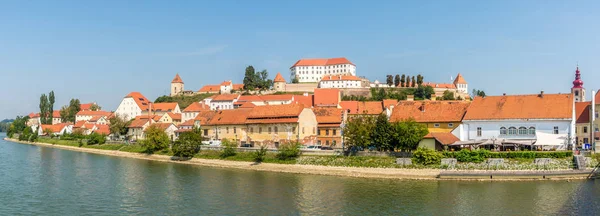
(313, 70)
(222, 102)
(177, 86)
(137, 128)
(227, 124)
(226, 87)
(132, 105)
(583, 129)
(34, 118)
(174, 118)
(193, 110)
(89, 115)
(56, 129)
(548, 120)
(277, 124)
(329, 123)
(341, 81)
(162, 108)
(168, 128)
(438, 116)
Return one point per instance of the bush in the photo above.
(259, 155)
(480, 155)
(228, 148)
(188, 144)
(156, 139)
(96, 138)
(288, 151)
(427, 156)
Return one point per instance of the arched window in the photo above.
(523, 131)
(502, 131)
(532, 130)
(512, 131)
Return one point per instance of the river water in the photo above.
(46, 181)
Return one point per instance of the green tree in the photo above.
(295, 80)
(156, 139)
(448, 95)
(188, 144)
(250, 78)
(18, 125)
(389, 80)
(419, 79)
(357, 131)
(68, 113)
(407, 134)
(228, 148)
(25, 134)
(96, 138)
(51, 101)
(403, 80)
(413, 82)
(424, 92)
(427, 156)
(288, 151)
(478, 93)
(382, 134)
(44, 109)
(95, 107)
(397, 80)
(118, 125)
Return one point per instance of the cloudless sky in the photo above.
(100, 51)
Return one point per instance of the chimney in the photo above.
(433, 97)
(410, 97)
(542, 94)
(422, 107)
(503, 94)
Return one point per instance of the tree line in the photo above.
(366, 131)
(256, 80)
(404, 80)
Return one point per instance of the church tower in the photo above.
(578, 91)
(176, 86)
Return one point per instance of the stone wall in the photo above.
(366, 92)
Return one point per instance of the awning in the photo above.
(519, 142)
(546, 139)
(468, 142)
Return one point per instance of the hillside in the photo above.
(7, 121)
(183, 101)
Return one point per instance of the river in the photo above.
(47, 181)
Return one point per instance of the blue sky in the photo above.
(99, 51)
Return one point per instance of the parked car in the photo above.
(326, 148)
(313, 147)
(247, 145)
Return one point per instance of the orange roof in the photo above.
(238, 86)
(164, 107)
(196, 107)
(541, 106)
(307, 101)
(279, 78)
(225, 97)
(326, 97)
(34, 115)
(443, 138)
(162, 126)
(340, 78)
(79, 124)
(96, 118)
(210, 88)
(54, 128)
(247, 105)
(175, 116)
(322, 62)
(93, 113)
(138, 123)
(153, 117)
(459, 79)
(328, 115)
(187, 123)
(250, 98)
(205, 117)
(283, 97)
(56, 114)
(582, 112)
(440, 85)
(102, 129)
(363, 107)
(229, 117)
(389, 102)
(88, 125)
(276, 111)
(429, 111)
(139, 99)
(86, 106)
(177, 79)
(226, 83)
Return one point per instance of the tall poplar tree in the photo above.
(51, 101)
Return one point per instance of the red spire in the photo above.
(577, 83)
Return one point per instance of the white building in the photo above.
(222, 102)
(340, 81)
(89, 115)
(543, 119)
(313, 70)
(132, 105)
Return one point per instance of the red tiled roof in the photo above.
(328, 115)
(283, 97)
(226, 97)
(322, 62)
(138, 123)
(210, 88)
(102, 129)
(95, 118)
(279, 78)
(307, 101)
(582, 112)
(363, 107)
(226, 83)
(247, 105)
(250, 98)
(177, 79)
(86, 106)
(389, 102)
(93, 113)
(139, 99)
(443, 138)
(542, 106)
(429, 111)
(229, 117)
(54, 128)
(56, 114)
(164, 107)
(162, 126)
(79, 124)
(175, 116)
(196, 107)
(440, 85)
(237, 86)
(340, 78)
(187, 123)
(459, 79)
(276, 111)
(326, 97)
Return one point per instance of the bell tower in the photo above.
(578, 91)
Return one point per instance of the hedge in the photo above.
(479, 155)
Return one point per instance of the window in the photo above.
(269, 129)
(512, 131)
(437, 125)
(333, 143)
(522, 131)
(596, 114)
(586, 140)
(334, 132)
(293, 129)
(319, 132)
(251, 130)
(276, 130)
(259, 130)
(555, 129)
(327, 132)
(596, 128)
(584, 129)
(327, 142)
(531, 130)
(234, 130)
(478, 131)
(314, 130)
(450, 125)
(227, 129)
(502, 131)
(302, 130)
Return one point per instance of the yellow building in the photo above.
(227, 124)
(274, 124)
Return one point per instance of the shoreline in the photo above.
(359, 172)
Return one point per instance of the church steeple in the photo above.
(578, 91)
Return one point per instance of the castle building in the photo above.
(176, 85)
(578, 91)
(313, 70)
(279, 83)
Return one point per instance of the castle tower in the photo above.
(578, 91)
(176, 85)
(461, 84)
(279, 83)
